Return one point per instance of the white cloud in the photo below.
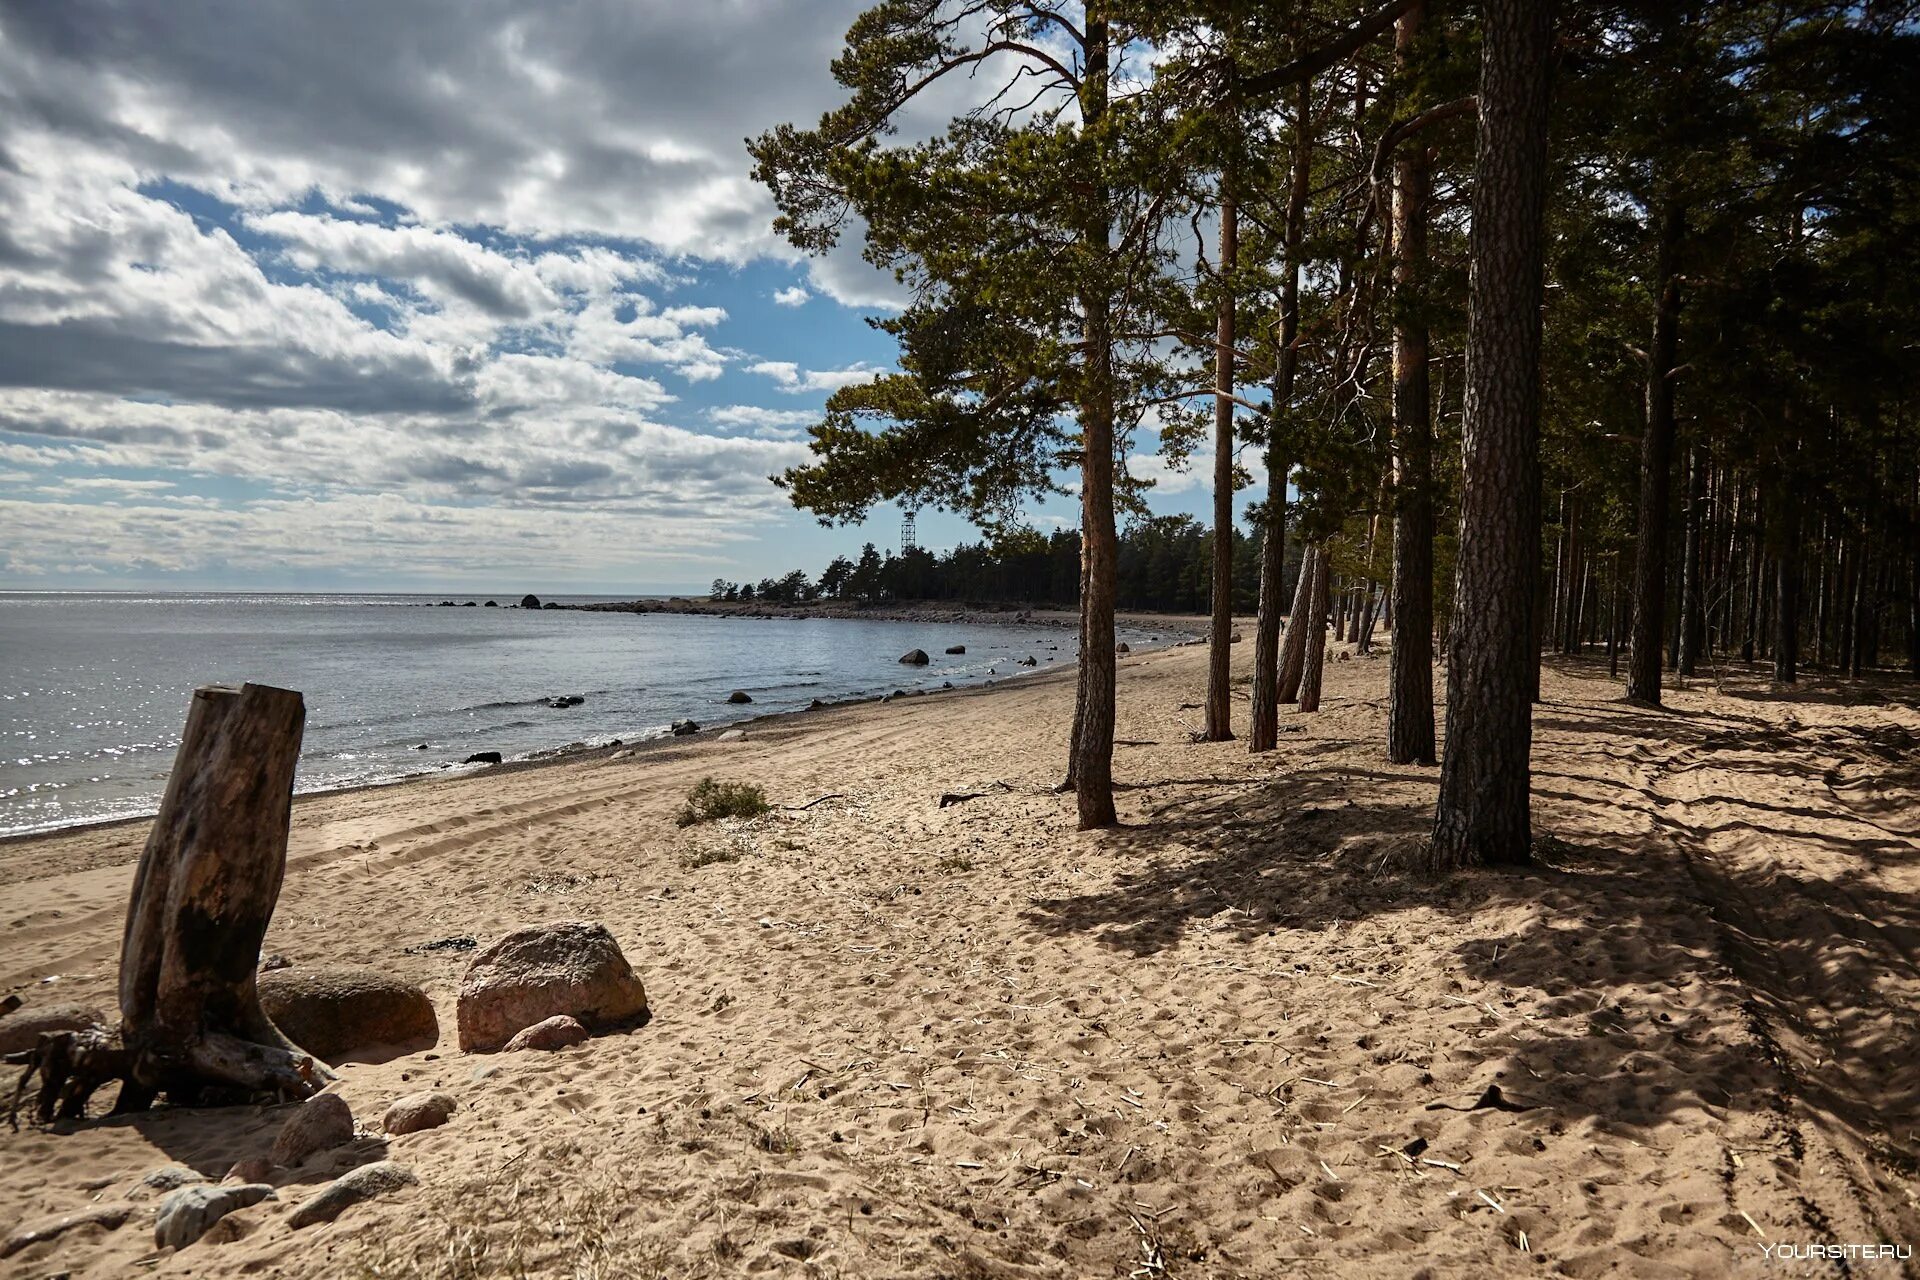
(794, 296)
(790, 377)
(1166, 478)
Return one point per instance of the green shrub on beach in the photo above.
(709, 800)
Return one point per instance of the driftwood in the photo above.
(191, 1026)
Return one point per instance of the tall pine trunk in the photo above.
(1263, 730)
(1219, 725)
(1786, 591)
(1693, 626)
(1482, 815)
(1314, 663)
(1092, 769)
(1410, 676)
(1656, 467)
(1294, 653)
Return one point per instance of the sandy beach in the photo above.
(891, 1038)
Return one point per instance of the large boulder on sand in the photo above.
(340, 1014)
(23, 1028)
(532, 974)
(915, 658)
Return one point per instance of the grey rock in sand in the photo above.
(189, 1213)
(685, 728)
(483, 757)
(349, 1189)
(428, 1109)
(574, 967)
(333, 1013)
(319, 1124)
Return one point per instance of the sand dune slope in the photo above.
(896, 1039)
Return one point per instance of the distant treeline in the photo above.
(1163, 567)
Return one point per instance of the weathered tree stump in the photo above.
(191, 1026)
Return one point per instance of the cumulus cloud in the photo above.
(768, 424)
(1166, 478)
(790, 377)
(395, 262)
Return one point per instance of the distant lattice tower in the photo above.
(909, 536)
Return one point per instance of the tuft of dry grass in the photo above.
(709, 800)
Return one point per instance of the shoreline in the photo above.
(566, 753)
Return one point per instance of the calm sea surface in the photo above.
(94, 686)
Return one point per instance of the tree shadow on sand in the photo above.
(1655, 977)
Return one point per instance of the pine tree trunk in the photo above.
(1860, 622)
(1219, 723)
(1293, 654)
(1482, 815)
(1692, 594)
(1750, 628)
(1093, 751)
(1314, 663)
(1410, 675)
(1263, 715)
(1656, 467)
(1786, 595)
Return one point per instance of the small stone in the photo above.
(956, 648)
(417, 1111)
(557, 1032)
(351, 1188)
(321, 1123)
(104, 1216)
(187, 1214)
(483, 757)
(733, 735)
(685, 728)
(275, 961)
(739, 697)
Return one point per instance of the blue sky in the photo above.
(417, 296)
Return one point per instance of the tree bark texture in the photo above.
(1263, 728)
(1656, 468)
(1410, 738)
(1482, 815)
(1219, 723)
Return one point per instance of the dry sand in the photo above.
(891, 1039)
